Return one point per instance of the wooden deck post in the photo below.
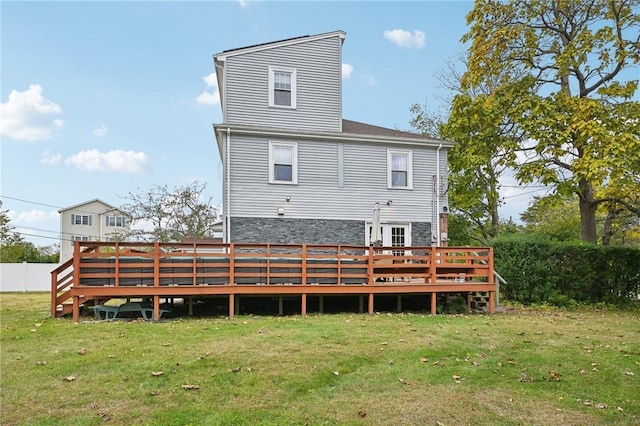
(303, 309)
(434, 298)
(399, 303)
(156, 308)
(280, 305)
(370, 303)
(190, 303)
(232, 306)
(321, 303)
(492, 302)
(76, 308)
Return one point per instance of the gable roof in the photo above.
(109, 206)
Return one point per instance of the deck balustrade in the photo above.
(101, 270)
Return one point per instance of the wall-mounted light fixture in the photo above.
(280, 211)
(389, 202)
(287, 198)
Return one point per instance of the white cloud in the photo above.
(32, 216)
(346, 70)
(100, 131)
(372, 81)
(212, 95)
(113, 161)
(404, 38)
(27, 116)
(243, 3)
(49, 158)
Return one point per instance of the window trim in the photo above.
(116, 219)
(75, 216)
(294, 162)
(293, 72)
(405, 152)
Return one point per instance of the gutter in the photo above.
(437, 195)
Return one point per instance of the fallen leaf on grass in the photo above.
(362, 414)
(82, 351)
(190, 387)
(235, 370)
(336, 373)
(404, 381)
(69, 378)
(457, 378)
(155, 393)
(629, 373)
(41, 363)
(554, 377)
(157, 373)
(424, 359)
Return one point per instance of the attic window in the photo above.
(282, 87)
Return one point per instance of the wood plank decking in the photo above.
(101, 271)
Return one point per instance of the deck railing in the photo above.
(169, 265)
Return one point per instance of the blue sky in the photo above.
(102, 98)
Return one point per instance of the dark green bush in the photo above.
(563, 273)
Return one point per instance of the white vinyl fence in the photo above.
(26, 276)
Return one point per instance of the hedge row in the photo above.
(539, 270)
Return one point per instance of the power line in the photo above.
(30, 202)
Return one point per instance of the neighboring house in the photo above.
(94, 220)
(295, 171)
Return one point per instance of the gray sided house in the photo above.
(295, 171)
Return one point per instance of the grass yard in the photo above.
(534, 367)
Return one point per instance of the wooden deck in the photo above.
(101, 271)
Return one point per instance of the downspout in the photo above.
(437, 195)
(227, 153)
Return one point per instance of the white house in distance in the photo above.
(295, 171)
(93, 220)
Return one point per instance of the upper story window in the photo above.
(81, 219)
(283, 162)
(399, 169)
(115, 221)
(282, 87)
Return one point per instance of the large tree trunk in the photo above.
(587, 212)
(607, 233)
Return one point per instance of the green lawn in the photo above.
(519, 367)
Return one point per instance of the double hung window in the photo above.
(399, 169)
(115, 221)
(283, 162)
(282, 87)
(81, 219)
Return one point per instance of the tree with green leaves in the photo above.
(171, 215)
(560, 66)
(14, 249)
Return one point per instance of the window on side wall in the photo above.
(115, 221)
(399, 169)
(283, 162)
(80, 219)
(282, 87)
(79, 238)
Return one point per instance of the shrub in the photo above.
(563, 273)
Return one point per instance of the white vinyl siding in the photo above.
(322, 192)
(399, 169)
(283, 162)
(316, 87)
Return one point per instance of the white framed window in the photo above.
(81, 219)
(79, 238)
(115, 221)
(399, 169)
(283, 162)
(282, 87)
